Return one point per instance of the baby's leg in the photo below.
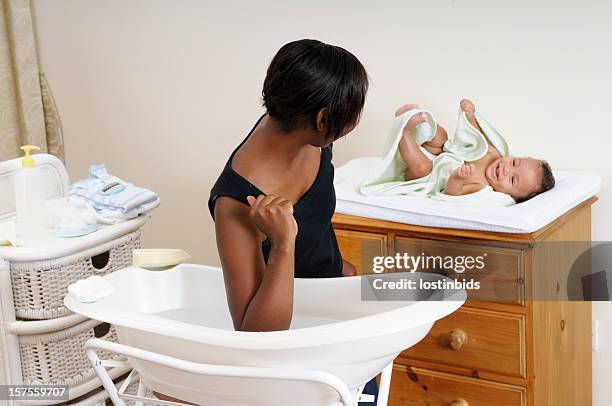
(435, 145)
(417, 163)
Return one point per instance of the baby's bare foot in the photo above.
(467, 106)
(405, 108)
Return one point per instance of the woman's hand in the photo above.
(273, 216)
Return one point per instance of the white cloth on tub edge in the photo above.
(90, 289)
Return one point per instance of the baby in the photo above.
(520, 177)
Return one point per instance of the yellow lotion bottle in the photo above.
(30, 198)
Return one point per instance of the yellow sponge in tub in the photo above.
(91, 289)
(158, 259)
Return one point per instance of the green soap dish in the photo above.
(75, 232)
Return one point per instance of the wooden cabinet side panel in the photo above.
(561, 359)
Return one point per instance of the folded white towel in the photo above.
(91, 289)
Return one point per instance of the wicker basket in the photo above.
(39, 287)
(59, 358)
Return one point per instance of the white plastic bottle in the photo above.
(30, 199)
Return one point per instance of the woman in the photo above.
(273, 202)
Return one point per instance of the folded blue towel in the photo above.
(111, 197)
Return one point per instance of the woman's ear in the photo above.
(322, 120)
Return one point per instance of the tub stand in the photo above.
(118, 396)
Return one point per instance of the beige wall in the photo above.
(162, 91)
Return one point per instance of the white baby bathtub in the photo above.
(182, 313)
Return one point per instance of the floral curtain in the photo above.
(27, 109)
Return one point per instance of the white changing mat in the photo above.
(571, 188)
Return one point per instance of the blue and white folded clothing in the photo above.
(113, 199)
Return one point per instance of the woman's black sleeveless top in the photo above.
(316, 249)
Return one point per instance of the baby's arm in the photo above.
(461, 181)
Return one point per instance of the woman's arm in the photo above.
(348, 269)
(260, 297)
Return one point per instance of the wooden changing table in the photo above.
(513, 353)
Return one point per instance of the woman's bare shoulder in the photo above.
(232, 217)
(229, 209)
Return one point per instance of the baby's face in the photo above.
(515, 176)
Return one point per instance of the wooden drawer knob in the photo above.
(459, 402)
(456, 339)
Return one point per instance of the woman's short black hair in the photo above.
(306, 76)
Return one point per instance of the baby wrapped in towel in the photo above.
(475, 165)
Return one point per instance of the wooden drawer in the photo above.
(502, 276)
(360, 248)
(475, 342)
(421, 387)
